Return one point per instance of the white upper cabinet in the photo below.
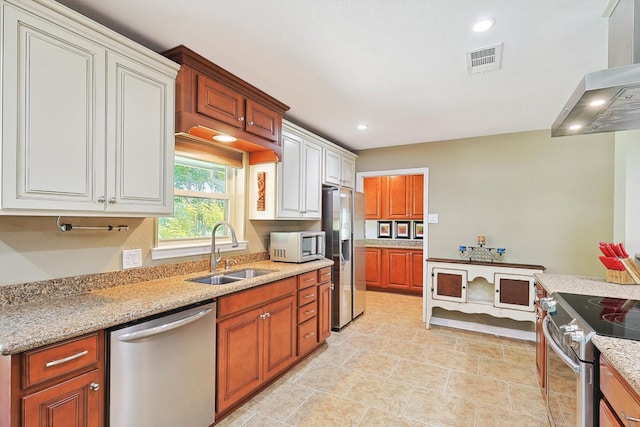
(339, 168)
(292, 189)
(87, 121)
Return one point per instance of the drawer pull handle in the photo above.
(309, 311)
(66, 359)
(309, 279)
(632, 419)
(310, 296)
(94, 386)
(309, 335)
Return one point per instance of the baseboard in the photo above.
(486, 329)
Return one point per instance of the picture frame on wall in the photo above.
(418, 230)
(403, 229)
(384, 229)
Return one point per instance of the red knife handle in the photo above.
(616, 249)
(624, 251)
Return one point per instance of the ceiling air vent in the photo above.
(484, 59)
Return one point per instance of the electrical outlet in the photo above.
(132, 258)
(432, 218)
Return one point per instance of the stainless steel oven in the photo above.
(570, 361)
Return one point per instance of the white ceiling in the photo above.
(397, 65)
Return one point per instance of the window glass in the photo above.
(202, 198)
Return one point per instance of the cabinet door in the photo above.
(374, 267)
(239, 348)
(279, 336)
(417, 269)
(73, 403)
(263, 122)
(324, 311)
(348, 172)
(399, 269)
(219, 102)
(289, 172)
(140, 138)
(398, 196)
(449, 284)
(417, 197)
(310, 181)
(53, 109)
(373, 197)
(514, 291)
(607, 417)
(332, 167)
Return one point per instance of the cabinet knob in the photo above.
(250, 123)
(241, 119)
(112, 201)
(94, 386)
(102, 199)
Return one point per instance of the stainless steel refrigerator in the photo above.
(343, 224)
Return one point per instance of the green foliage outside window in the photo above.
(194, 215)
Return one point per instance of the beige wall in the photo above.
(547, 201)
(33, 248)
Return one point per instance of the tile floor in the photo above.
(386, 369)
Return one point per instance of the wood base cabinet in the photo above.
(395, 270)
(255, 339)
(620, 404)
(60, 385)
(541, 343)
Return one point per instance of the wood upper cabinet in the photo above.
(211, 101)
(394, 197)
(60, 385)
(405, 197)
(373, 187)
(105, 146)
(219, 102)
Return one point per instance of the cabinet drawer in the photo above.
(254, 297)
(307, 279)
(618, 393)
(306, 296)
(307, 335)
(307, 311)
(324, 275)
(50, 362)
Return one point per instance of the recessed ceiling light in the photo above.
(484, 25)
(363, 126)
(575, 127)
(597, 102)
(224, 138)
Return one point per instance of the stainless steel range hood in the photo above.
(609, 100)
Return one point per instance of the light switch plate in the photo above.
(432, 218)
(131, 258)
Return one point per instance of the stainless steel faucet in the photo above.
(234, 243)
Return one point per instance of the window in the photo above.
(207, 190)
(203, 197)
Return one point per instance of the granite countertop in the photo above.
(394, 243)
(34, 324)
(624, 354)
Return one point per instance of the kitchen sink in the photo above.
(248, 273)
(217, 279)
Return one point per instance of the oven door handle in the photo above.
(556, 348)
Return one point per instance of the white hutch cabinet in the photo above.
(497, 289)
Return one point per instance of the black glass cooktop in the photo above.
(612, 317)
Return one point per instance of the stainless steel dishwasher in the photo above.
(162, 370)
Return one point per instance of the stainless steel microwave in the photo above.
(300, 246)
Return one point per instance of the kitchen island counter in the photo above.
(34, 324)
(624, 354)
